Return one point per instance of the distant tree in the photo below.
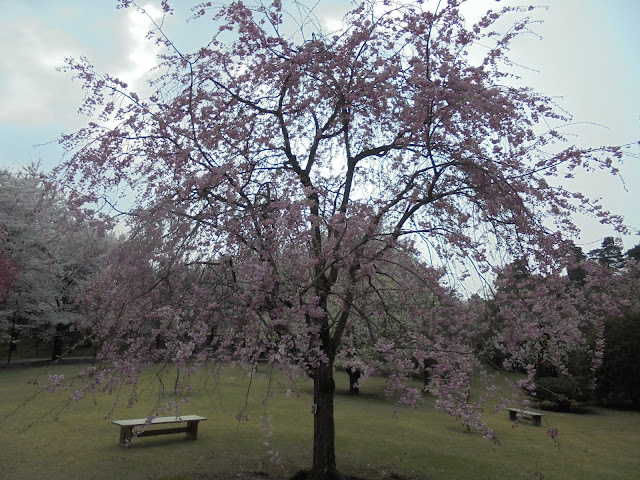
(634, 253)
(618, 381)
(52, 250)
(297, 161)
(575, 271)
(609, 254)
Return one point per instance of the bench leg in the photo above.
(192, 430)
(537, 420)
(512, 415)
(125, 435)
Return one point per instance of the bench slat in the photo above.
(525, 412)
(136, 422)
(163, 431)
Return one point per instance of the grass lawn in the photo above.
(42, 441)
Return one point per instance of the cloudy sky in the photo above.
(584, 54)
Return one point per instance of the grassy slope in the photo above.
(371, 440)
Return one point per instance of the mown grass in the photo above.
(43, 440)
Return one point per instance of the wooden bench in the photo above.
(127, 426)
(536, 418)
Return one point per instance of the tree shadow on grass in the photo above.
(304, 475)
(361, 395)
(577, 408)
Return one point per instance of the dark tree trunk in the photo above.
(12, 345)
(354, 376)
(176, 385)
(211, 337)
(427, 364)
(56, 353)
(324, 452)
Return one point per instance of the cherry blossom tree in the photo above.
(280, 171)
(48, 251)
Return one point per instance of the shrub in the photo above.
(562, 393)
(618, 379)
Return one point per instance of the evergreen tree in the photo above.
(610, 254)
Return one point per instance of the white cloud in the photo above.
(31, 91)
(143, 53)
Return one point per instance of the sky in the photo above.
(584, 54)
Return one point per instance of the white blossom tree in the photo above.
(52, 250)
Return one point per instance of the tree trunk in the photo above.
(56, 352)
(324, 451)
(354, 376)
(12, 339)
(426, 365)
(177, 382)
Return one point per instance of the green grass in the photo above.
(372, 441)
